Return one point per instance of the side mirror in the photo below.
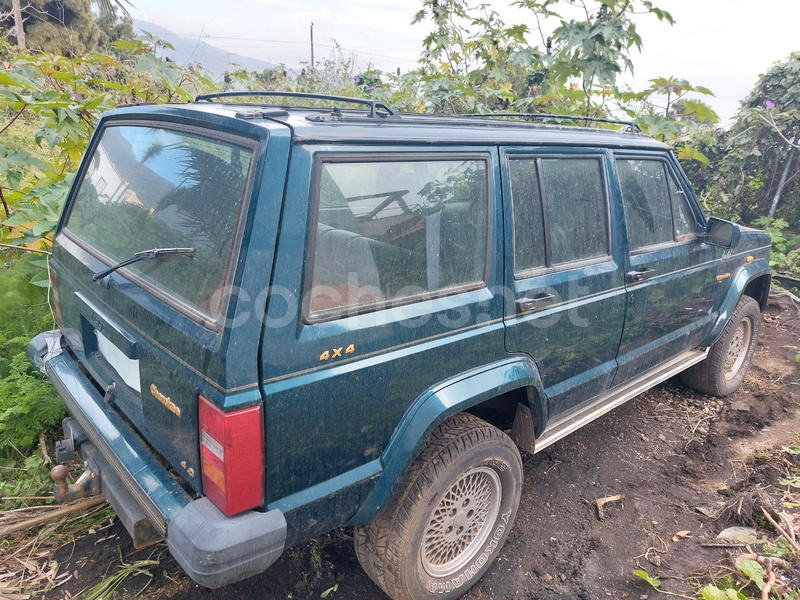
(721, 233)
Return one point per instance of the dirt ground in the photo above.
(681, 462)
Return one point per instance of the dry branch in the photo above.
(43, 449)
(780, 530)
(601, 502)
(768, 588)
(57, 512)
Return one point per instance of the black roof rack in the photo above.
(374, 105)
(632, 126)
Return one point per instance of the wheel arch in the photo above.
(754, 280)
(495, 388)
(758, 289)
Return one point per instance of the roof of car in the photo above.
(331, 125)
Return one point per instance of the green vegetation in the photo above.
(28, 403)
(106, 589)
(785, 247)
(21, 480)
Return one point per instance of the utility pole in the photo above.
(18, 24)
(312, 46)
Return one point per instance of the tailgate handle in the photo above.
(535, 301)
(640, 275)
(95, 318)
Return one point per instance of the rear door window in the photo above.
(559, 208)
(389, 230)
(148, 187)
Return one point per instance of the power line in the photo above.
(267, 41)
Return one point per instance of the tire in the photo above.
(725, 367)
(450, 516)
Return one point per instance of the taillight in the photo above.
(56, 302)
(232, 457)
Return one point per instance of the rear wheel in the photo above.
(450, 517)
(725, 367)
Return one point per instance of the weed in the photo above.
(793, 481)
(316, 558)
(294, 553)
(23, 480)
(106, 588)
(655, 583)
(761, 521)
(785, 256)
(329, 591)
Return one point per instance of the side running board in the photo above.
(613, 398)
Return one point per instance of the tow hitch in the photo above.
(98, 478)
(88, 484)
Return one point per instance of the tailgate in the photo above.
(152, 334)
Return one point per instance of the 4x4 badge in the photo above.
(337, 352)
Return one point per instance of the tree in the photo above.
(760, 168)
(18, 24)
(108, 9)
(473, 61)
(114, 27)
(60, 27)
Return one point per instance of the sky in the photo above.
(721, 44)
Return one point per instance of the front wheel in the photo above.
(725, 367)
(452, 514)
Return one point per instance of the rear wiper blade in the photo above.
(154, 253)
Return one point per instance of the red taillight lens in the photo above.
(232, 457)
(56, 302)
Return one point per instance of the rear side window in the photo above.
(526, 198)
(559, 208)
(148, 187)
(648, 214)
(576, 208)
(388, 230)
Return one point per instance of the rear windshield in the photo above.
(148, 187)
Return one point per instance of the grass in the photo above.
(106, 589)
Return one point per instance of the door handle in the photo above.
(534, 301)
(640, 275)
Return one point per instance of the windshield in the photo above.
(148, 187)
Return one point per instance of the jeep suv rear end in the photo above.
(161, 384)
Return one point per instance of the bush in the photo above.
(28, 403)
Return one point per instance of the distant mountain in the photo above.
(196, 50)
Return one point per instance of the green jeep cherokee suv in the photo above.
(275, 321)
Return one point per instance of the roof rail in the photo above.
(374, 105)
(631, 125)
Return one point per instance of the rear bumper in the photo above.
(213, 549)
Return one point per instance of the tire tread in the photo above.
(378, 544)
(704, 376)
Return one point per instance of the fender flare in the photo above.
(435, 406)
(739, 282)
